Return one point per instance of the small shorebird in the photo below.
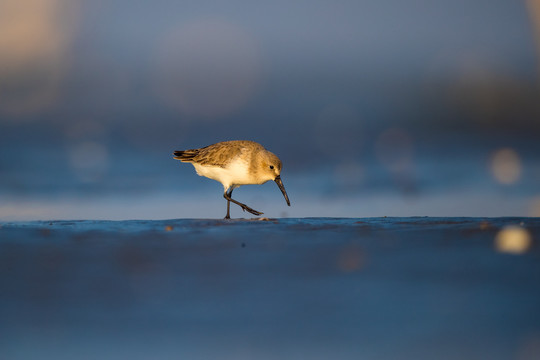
(235, 163)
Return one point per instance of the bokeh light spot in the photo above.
(89, 160)
(34, 39)
(513, 239)
(485, 225)
(351, 258)
(506, 166)
(207, 68)
(529, 348)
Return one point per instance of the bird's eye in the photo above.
(272, 167)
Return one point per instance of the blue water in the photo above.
(130, 183)
(412, 288)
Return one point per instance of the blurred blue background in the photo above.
(375, 107)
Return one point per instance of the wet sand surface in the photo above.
(309, 288)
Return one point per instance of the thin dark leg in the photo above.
(227, 195)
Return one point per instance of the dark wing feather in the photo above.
(186, 155)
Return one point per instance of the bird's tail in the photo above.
(186, 155)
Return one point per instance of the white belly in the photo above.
(236, 173)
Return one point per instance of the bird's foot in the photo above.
(252, 211)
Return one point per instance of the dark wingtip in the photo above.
(177, 155)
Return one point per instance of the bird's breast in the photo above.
(234, 173)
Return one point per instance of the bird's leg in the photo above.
(227, 195)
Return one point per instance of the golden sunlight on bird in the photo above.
(235, 163)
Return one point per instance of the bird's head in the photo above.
(269, 168)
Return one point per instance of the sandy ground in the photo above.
(310, 288)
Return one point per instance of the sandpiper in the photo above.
(235, 163)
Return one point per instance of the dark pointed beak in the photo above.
(282, 188)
